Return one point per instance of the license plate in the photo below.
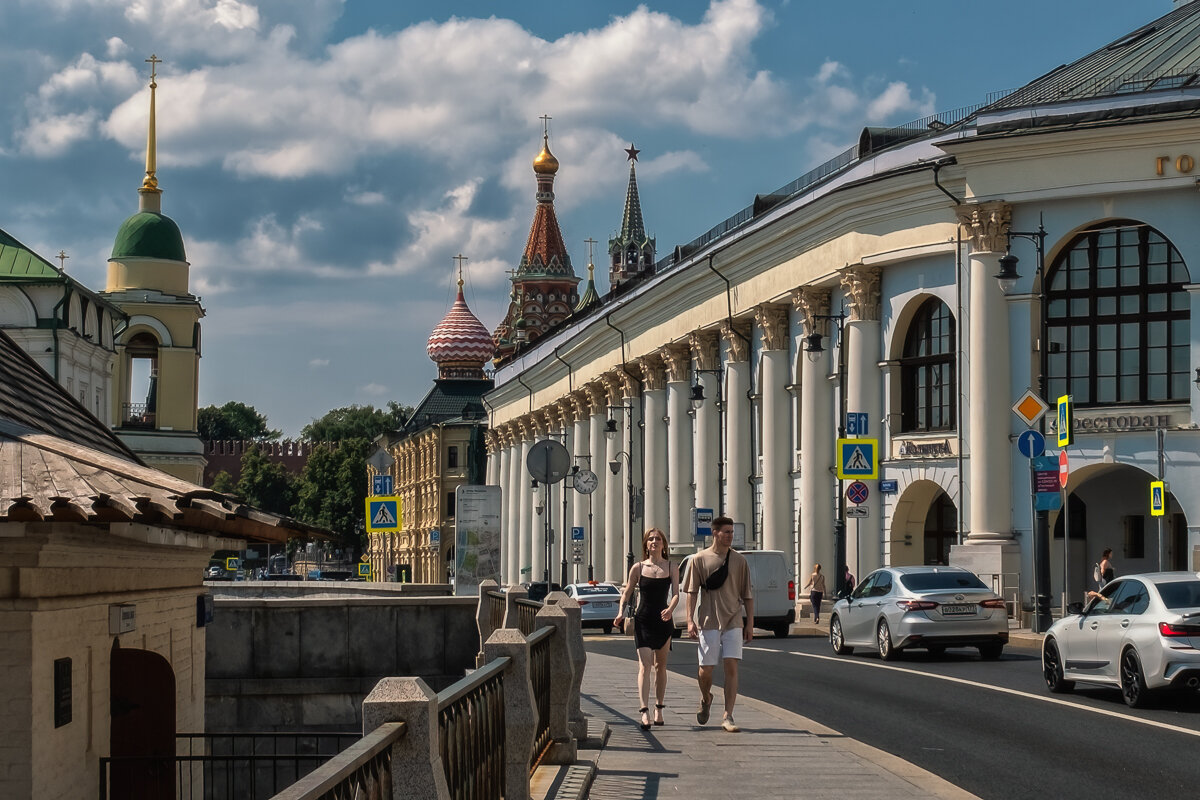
(958, 609)
(601, 605)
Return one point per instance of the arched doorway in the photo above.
(924, 525)
(941, 530)
(142, 732)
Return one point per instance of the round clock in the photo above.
(586, 481)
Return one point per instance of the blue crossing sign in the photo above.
(384, 514)
(1158, 499)
(1066, 422)
(858, 458)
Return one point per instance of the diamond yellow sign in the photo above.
(1030, 408)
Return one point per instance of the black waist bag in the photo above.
(717, 579)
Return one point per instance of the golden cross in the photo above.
(460, 258)
(545, 124)
(589, 243)
(62, 259)
(153, 61)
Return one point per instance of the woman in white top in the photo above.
(817, 582)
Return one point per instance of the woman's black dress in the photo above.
(649, 629)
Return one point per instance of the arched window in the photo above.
(1117, 318)
(927, 378)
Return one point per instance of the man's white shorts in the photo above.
(715, 645)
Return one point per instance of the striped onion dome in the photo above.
(460, 336)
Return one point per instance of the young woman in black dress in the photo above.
(657, 582)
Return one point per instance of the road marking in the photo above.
(1001, 689)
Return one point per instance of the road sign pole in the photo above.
(1041, 558)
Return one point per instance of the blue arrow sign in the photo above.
(1031, 444)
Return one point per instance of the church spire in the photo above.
(631, 250)
(149, 194)
(590, 297)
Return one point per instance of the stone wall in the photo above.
(306, 664)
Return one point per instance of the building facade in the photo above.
(864, 297)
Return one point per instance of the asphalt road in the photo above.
(988, 727)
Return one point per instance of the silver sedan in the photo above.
(932, 608)
(1139, 633)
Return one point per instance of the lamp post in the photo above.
(610, 430)
(1007, 277)
(568, 483)
(813, 348)
(697, 400)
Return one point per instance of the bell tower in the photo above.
(156, 380)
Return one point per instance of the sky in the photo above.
(327, 159)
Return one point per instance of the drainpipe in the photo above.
(570, 371)
(629, 448)
(526, 385)
(54, 318)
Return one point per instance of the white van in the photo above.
(774, 592)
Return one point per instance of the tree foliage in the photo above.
(332, 490)
(356, 422)
(234, 420)
(266, 484)
(223, 482)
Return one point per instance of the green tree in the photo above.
(332, 491)
(234, 421)
(223, 482)
(266, 484)
(354, 422)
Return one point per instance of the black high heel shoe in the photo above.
(646, 712)
(660, 707)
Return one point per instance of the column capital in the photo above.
(812, 302)
(772, 321)
(566, 411)
(986, 225)
(597, 396)
(526, 426)
(736, 338)
(490, 440)
(629, 378)
(579, 399)
(653, 372)
(613, 394)
(678, 358)
(861, 284)
(704, 349)
(553, 416)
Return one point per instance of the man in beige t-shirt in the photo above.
(721, 630)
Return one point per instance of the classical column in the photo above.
(654, 397)
(491, 447)
(681, 494)
(818, 432)
(631, 388)
(738, 491)
(772, 322)
(581, 503)
(524, 532)
(614, 494)
(598, 405)
(864, 394)
(989, 399)
(708, 417)
(541, 500)
(505, 459)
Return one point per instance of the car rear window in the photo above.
(597, 590)
(925, 581)
(1180, 594)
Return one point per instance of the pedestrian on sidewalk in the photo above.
(724, 576)
(1105, 571)
(657, 583)
(817, 582)
(847, 581)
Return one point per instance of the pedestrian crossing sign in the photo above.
(1158, 499)
(858, 458)
(364, 571)
(384, 514)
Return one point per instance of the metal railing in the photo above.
(471, 733)
(526, 614)
(362, 772)
(539, 676)
(1008, 586)
(497, 605)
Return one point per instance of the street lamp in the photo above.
(813, 348)
(610, 430)
(1007, 277)
(697, 401)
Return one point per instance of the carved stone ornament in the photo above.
(630, 377)
(772, 322)
(525, 426)
(812, 302)
(736, 338)
(579, 399)
(490, 440)
(654, 373)
(704, 349)
(612, 388)
(678, 358)
(541, 423)
(986, 225)
(597, 394)
(861, 285)
(566, 411)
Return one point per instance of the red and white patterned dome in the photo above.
(460, 336)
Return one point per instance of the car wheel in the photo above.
(781, 630)
(1133, 683)
(990, 651)
(837, 640)
(1052, 669)
(608, 628)
(936, 650)
(883, 642)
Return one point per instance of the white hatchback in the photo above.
(1142, 632)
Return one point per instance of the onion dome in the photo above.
(459, 343)
(545, 163)
(149, 235)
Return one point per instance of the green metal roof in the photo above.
(149, 235)
(18, 261)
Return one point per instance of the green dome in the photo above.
(149, 235)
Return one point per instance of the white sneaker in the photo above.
(729, 725)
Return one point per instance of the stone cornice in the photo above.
(654, 376)
(813, 302)
(704, 349)
(772, 322)
(861, 284)
(736, 338)
(986, 225)
(678, 358)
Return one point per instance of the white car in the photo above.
(1142, 632)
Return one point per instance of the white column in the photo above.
(864, 394)
(512, 507)
(681, 495)
(525, 496)
(708, 415)
(581, 504)
(541, 499)
(633, 444)
(492, 444)
(614, 504)
(738, 503)
(599, 450)
(505, 453)
(777, 436)
(818, 431)
(656, 451)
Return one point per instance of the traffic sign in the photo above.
(233, 563)
(858, 512)
(1047, 496)
(548, 461)
(1064, 469)
(365, 557)
(380, 460)
(856, 423)
(577, 534)
(1158, 499)
(384, 514)
(702, 524)
(381, 485)
(1066, 422)
(857, 493)
(1030, 408)
(889, 487)
(364, 570)
(1031, 443)
(858, 458)
(435, 536)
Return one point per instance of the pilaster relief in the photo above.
(862, 286)
(704, 349)
(736, 338)
(678, 358)
(813, 302)
(986, 225)
(654, 373)
(771, 319)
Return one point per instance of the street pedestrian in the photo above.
(1107, 573)
(657, 582)
(724, 576)
(847, 580)
(817, 582)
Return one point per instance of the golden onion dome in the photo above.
(545, 163)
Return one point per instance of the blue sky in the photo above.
(325, 159)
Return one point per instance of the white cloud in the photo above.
(317, 363)
(374, 390)
(54, 135)
(896, 98)
(364, 198)
(115, 47)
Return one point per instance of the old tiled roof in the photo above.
(545, 253)
(449, 399)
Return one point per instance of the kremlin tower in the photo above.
(631, 250)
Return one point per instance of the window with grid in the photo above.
(927, 377)
(1118, 327)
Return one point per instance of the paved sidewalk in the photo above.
(777, 754)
